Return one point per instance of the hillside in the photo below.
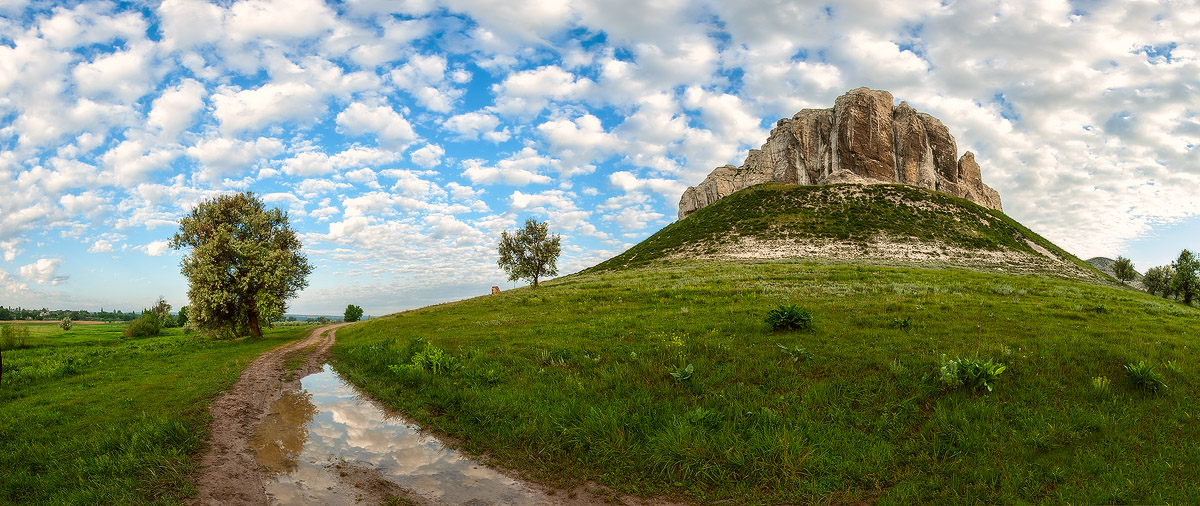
(664, 379)
(655, 373)
(878, 224)
(1105, 265)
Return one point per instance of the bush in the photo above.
(788, 317)
(144, 326)
(1144, 377)
(972, 373)
(13, 336)
(66, 323)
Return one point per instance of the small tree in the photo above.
(1185, 283)
(529, 253)
(244, 263)
(183, 316)
(353, 313)
(1158, 280)
(66, 323)
(1123, 269)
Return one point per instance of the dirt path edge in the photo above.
(228, 473)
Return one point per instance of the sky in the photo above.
(403, 136)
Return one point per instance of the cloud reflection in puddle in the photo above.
(343, 426)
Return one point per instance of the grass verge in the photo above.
(87, 417)
(667, 380)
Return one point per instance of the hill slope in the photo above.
(880, 223)
(664, 379)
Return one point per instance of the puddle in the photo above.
(307, 433)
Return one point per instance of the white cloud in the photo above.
(471, 125)
(528, 92)
(132, 161)
(44, 271)
(520, 169)
(239, 110)
(429, 156)
(387, 125)
(577, 143)
(175, 109)
(222, 156)
(157, 248)
(124, 75)
(278, 19)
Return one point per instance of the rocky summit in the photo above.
(863, 138)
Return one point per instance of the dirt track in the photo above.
(228, 473)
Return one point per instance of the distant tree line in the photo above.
(19, 313)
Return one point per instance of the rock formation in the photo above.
(862, 139)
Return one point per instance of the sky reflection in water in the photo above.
(342, 426)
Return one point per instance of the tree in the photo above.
(1123, 268)
(353, 313)
(183, 316)
(66, 323)
(529, 253)
(1158, 280)
(1185, 283)
(245, 263)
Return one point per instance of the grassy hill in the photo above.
(896, 224)
(655, 372)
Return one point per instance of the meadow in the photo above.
(666, 380)
(89, 417)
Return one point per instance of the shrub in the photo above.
(430, 358)
(66, 323)
(905, 324)
(1144, 377)
(13, 336)
(973, 373)
(789, 317)
(144, 326)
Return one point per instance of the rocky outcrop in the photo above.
(862, 139)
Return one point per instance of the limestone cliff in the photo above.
(862, 139)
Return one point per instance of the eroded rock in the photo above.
(863, 138)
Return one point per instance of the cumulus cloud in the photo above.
(44, 272)
(221, 156)
(157, 248)
(387, 125)
(472, 125)
(428, 156)
(519, 169)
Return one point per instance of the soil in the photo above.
(229, 473)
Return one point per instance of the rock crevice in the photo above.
(863, 138)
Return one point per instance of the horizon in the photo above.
(403, 137)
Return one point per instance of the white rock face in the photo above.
(863, 138)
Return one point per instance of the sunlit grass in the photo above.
(87, 417)
(573, 381)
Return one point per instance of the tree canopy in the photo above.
(1158, 280)
(529, 253)
(244, 263)
(1185, 282)
(353, 313)
(1123, 268)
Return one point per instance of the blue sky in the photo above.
(403, 136)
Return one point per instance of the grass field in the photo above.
(87, 417)
(665, 380)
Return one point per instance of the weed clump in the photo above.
(973, 373)
(790, 317)
(1145, 377)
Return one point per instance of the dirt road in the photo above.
(229, 473)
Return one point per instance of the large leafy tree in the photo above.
(244, 263)
(353, 313)
(529, 253)
(1158, 280)
(1187, 269)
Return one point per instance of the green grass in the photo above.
(572, 382)
(841, 212)
(87, 417)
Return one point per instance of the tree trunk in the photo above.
(255, 330)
